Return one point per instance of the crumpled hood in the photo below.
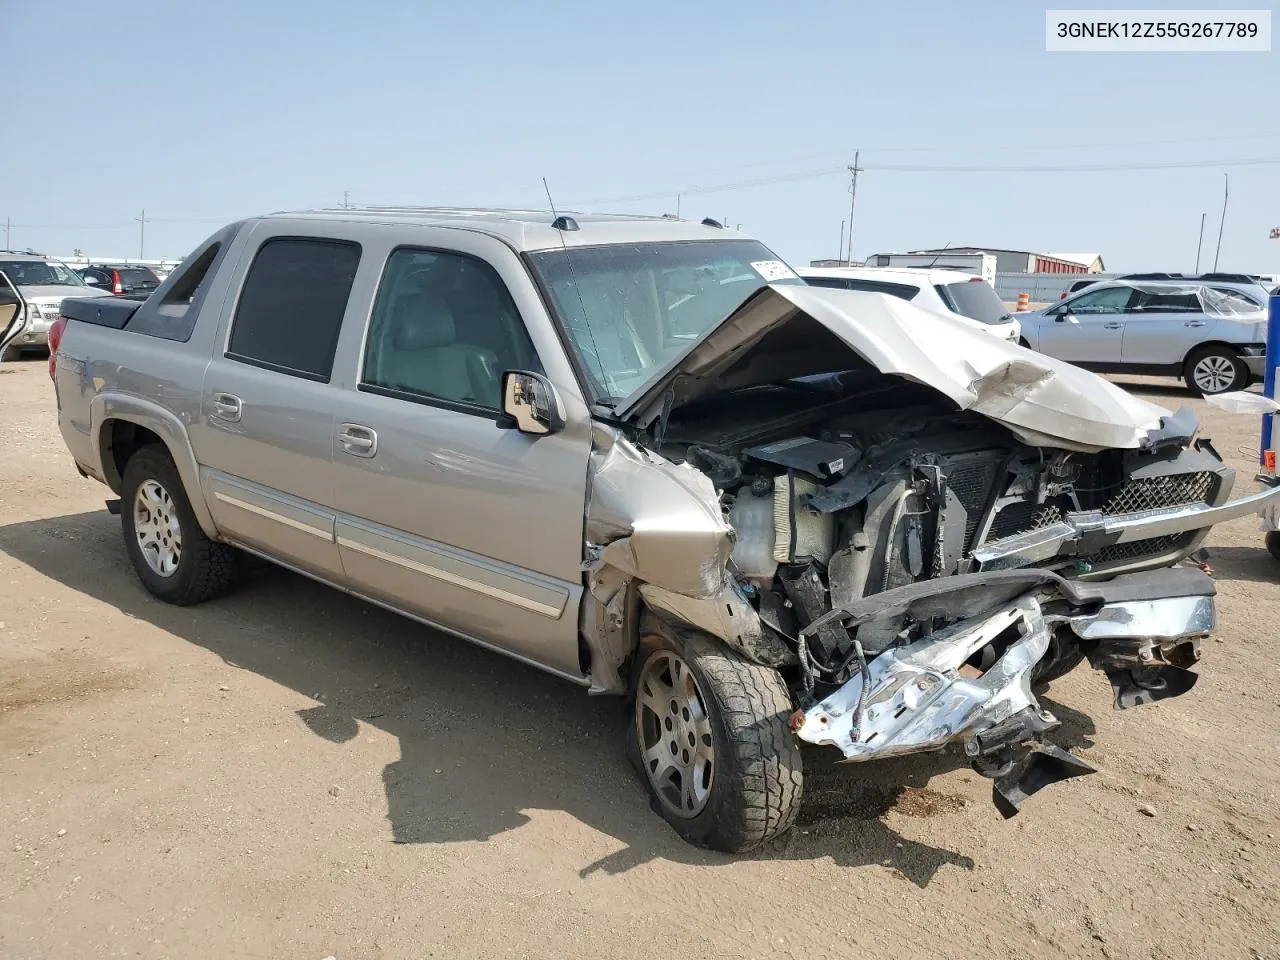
(773, 337)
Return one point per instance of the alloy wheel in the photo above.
(156, 526)
(1214, 374)
(677, 748)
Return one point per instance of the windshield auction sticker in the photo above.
(772, 270)
(1153, 31)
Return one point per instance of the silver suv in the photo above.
(1211, 334)
(32, 288)
(643, 455)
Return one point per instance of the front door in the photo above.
(13, 313)
(265, 435)
(441, 512)
(1088, 328)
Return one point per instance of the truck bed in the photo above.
(113, 312)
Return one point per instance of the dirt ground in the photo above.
(291, 773)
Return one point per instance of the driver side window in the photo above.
(444, 328)
(1112, 300)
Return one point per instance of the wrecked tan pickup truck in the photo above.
(643, 455)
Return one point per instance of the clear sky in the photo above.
(202, 112)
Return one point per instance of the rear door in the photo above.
(1088, 328)
(13, 313)
(265, 434)
(1163, 326)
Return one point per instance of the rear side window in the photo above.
(1156, 302)
(291, 306)
(975, 299)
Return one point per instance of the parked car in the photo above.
(1077, 286)
(121, 279)
(828, 516)
(1212, 335)
(950, 291)
(32, 287)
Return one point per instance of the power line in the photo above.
(939, 168)
(1076, 167)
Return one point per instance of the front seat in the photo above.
(426, 357)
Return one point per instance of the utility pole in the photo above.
(1200, 243)
(840, 249)
(853, 200)
(6, 233)
(677, 206)
(1223, 222)
(142, 234)
(346, 199)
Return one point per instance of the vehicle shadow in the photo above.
(485, 740)
(1245, 563)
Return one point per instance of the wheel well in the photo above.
(1228, 347)
(120, 440)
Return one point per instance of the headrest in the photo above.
(421, 321)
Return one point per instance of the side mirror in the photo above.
(1066, 316)
(530, 404)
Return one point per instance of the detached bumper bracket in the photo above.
(1043, 766)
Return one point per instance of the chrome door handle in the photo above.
(227, 406)
(357, 440)
(1194, 323)
(1112, 326)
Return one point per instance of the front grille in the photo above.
(1141, 549)
(1153, 493)
(1019, 517)
(1133, 496)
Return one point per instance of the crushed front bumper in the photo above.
(1142, 631)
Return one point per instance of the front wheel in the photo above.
(1213, 370)
(1273, 543)
(709, 734)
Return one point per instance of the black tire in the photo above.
(1063, 656)
(205, 568)
(1220, 356)
(757, 774)
(1273, 544)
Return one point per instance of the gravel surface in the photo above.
(291, 773)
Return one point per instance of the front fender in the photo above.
(108, 406)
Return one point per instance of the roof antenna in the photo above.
(565, 225)
(945, 247)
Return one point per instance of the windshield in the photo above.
(40, 273)
(974, 299)
(629, 309)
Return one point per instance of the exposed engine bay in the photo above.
(885, 487)
(911, 550)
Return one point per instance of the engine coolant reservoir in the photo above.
(752, 519)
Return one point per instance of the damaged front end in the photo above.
(1142, 631)
(913, 523)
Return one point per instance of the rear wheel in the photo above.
(1211, 370)
(170, 553)
(1273, 543)
(709, 734)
